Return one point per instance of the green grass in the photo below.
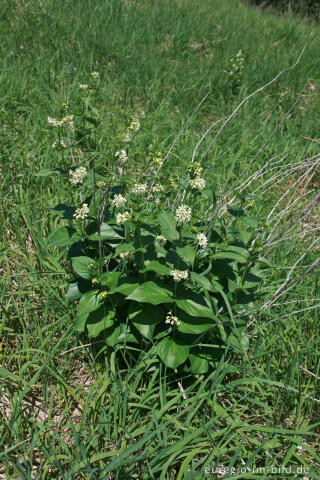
(83, 414)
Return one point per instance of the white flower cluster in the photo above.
(123, 217)
(158, 188)
(83, 86)
(124, 255)
(77, 175)
(67, 120)
(179, 275)
(134, 125)
(118, 201)
(172, 319)
(126, 137)
(198, 183)
(58, 143)
(94, 75)
(183, 214)
(237, 64)
(202, 240)
(157, 159)
(139, 188)
(81, 213)
(161, 240)
(122, 156)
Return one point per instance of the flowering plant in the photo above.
(154, 262)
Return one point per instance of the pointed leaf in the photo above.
(64, 236)
(81, 266)
(172, 352)
(168, 224)
(150, 292)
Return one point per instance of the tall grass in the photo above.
(71, 412)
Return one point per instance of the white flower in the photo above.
(83, 86)
(179, 275)
(126, 137)
(81, 212)
(157, 188)
(122, 156)
(172, 319)
(53, 121)
(183, 214)
(77, 175)
(198, 183)
(67, 120)
(139, 188)
(202, 240)
(61, 142)
(157, 159)
(94, 75)
(161, 240)
(134, 125)
(123, 217)
(118, 201)
(124, 255)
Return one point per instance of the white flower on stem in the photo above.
(54, 122)
(139, 188)
(202, 240)
(183, 214)
(134, 125)
(123, 217)
(158, 188)
(122, 156)
(77, 175)
(124, 255)
(126, 137)
(179, 275)
(81, 213)
(197, 183)
(172, 319)
(83, 86)
(161, 240)
(58, 143)
(118, 201)
(94, 75)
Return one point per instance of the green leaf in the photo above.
(172, 351)
(106, 232)
(167, 224)
(145, 318)
(76, 290)
(198, 361)
(239, 342)
(110, 279)
(202, 281)
(48, 172)
(65, 211)
(64, 236)
(100, 320)
(125, 286)
(232, 256)
(195, 306)
(155, 266)
(150, 292)
(250, 221)
(187, 254)
(193, 325)
(81, 266)
(89, 302)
